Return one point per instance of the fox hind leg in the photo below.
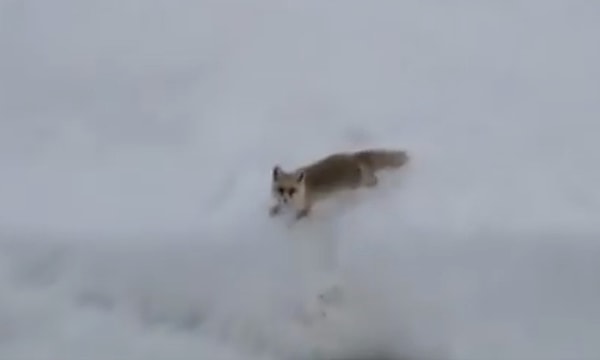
(368, 177)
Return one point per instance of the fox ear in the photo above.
(276, 172)
(301, 176)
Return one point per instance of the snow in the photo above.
(137, 140)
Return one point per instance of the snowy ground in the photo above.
(136, 144)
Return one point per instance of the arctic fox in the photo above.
(302, 187)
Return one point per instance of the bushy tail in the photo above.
(380, 159)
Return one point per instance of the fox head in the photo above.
(288, 188)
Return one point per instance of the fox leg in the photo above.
(275, 209)
(304, 211)
(368, 177)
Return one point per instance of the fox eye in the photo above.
(281, 190)
(291, 191)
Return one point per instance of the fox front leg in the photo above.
(302, 213)
(305, 208)
(275, 209)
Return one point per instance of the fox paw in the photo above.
(332, 295)
(302, 214)
(274, 210)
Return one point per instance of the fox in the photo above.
(301, 188)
